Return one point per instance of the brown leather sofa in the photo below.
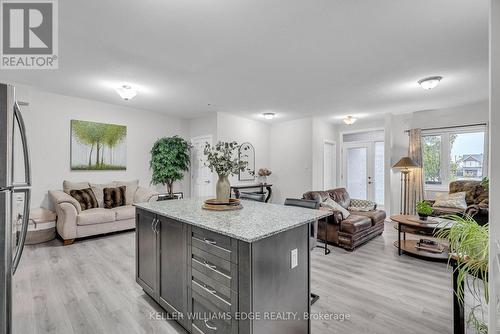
(476, 197)
(358, 228)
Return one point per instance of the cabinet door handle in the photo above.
(212, 291)
(212, 327)
(210, 241)
(157, 226)
(211, 266)
(153, 225)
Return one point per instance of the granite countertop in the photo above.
(254, 222)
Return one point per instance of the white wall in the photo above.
(322, 130)
(236, 128)
(494, 161)
(291, 158)
(462, 115)
(396, 146)
(203, 126)
(48, 125)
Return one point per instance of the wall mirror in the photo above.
(246, 152)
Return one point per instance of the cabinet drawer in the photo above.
(216, 244)
(222, 290)
(210, 294)
(214, 267)
(207, 319)
(220, 240)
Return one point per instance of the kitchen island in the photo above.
(244, 271)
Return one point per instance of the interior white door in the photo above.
(201, 177)
(329, 165)
(363, 170)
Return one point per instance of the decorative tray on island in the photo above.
(222, 205)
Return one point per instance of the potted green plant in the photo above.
(169, 160)
(485, 182)
(424, 209)
(469, 247)
(222, 158)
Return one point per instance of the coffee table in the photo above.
(413, 225)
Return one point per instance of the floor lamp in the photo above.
(405, 164)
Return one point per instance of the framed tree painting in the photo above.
(98, 146)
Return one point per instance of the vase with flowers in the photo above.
(222, 158)
(263, 174)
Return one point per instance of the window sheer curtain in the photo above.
(416, 184)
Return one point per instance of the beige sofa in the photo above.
(73, 223)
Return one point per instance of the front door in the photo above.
(363, 170)
(201, 177)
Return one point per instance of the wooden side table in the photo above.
(413, 225)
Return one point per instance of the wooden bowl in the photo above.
(229, 201)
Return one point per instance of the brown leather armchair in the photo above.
(358, 228)
(476, 197)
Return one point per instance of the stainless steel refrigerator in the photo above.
(15, 183)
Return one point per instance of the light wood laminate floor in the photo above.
(89, 287)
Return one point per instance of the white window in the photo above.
(453, 154)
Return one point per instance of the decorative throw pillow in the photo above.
(85, 197)
(114, 197)
(131, 189)
(332, 205)
(361, 208)
(98, 190)
(455, 200)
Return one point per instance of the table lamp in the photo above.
(405, 164)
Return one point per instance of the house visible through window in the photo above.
(456, 154)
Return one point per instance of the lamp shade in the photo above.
(406, 163)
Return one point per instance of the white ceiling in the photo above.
(293, 57)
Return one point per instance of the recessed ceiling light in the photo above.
(349, 120)
(269, 115)
(126, 92)
(430, 82)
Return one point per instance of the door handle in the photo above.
(212, 327)
(210, 241)
(157, 226)
(24, 140)
(212, 291)
(208, 265)
(24, 229)
(207, 181)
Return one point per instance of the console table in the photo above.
(260, 186)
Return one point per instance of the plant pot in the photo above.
(223, 188)
(423, 217)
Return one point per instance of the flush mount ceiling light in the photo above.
(126, 92)
(269, 115)
(430, 82)
(349, 120)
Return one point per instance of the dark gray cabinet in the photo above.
(194, 274)
(146, 252)
(161, 266)
(173, 265)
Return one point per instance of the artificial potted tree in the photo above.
(169, 160)
(424, 210)
(222, 158)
